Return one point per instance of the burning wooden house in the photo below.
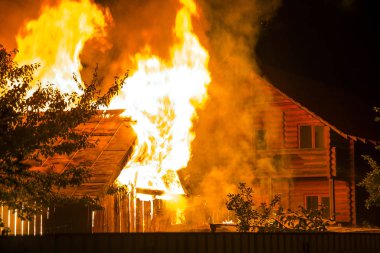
(145, 139)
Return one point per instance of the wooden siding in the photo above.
(342, 201)
(320, 187)
(303, 188)
(323, 171)
(296, 163)
(343, 156)
(281, 119)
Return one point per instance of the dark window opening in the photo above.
(311, 202)
(326, 207)
(306, 140)
(318, 136)
(318, 202)
(260, 139)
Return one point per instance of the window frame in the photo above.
(320, 196)
(312, 126)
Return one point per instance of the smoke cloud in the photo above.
(224, 149)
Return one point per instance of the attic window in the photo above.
(311, 136)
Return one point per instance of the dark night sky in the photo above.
(324, 54)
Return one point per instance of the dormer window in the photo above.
(311, 136)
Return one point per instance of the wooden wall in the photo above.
(126, 214)
(342, 201)
(313, 171)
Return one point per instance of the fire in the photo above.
(56, 39)
(162, 98)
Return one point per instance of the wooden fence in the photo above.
(194, 242)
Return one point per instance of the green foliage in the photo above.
(371, 181)
(242, 204)
(4, 230)
(118, 190)
(271, 217)
(36, 126)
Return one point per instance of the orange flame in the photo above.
(162, 98)
(56, 39)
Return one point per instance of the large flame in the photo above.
(56, 39)
(162, 98)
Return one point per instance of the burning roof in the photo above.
(114, 144)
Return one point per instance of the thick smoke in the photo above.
(224, 149)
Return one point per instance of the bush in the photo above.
(272, 217)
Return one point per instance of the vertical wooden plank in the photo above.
(228, 243)
(180, 247)
(88, 244)
(281, 244)
(76, 243)
(259, 243)
(289, 242)
(211, 242)
(171, 243)
(236, 242)
(47, 244)
(191, 242)
(297, 242)
(62, 244)
(273, 237)
(114, 242)
(201, 242)
(101, 243)
(244, 237)
(138, 242)
(352, 182)
(161, 243)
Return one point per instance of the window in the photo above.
(318, 136)
(326, 204)
(311, 202)
(260, 139)
(316, 202)
(311, 136)
(306, 140)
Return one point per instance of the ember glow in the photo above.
(56, 39)
(162, 98)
